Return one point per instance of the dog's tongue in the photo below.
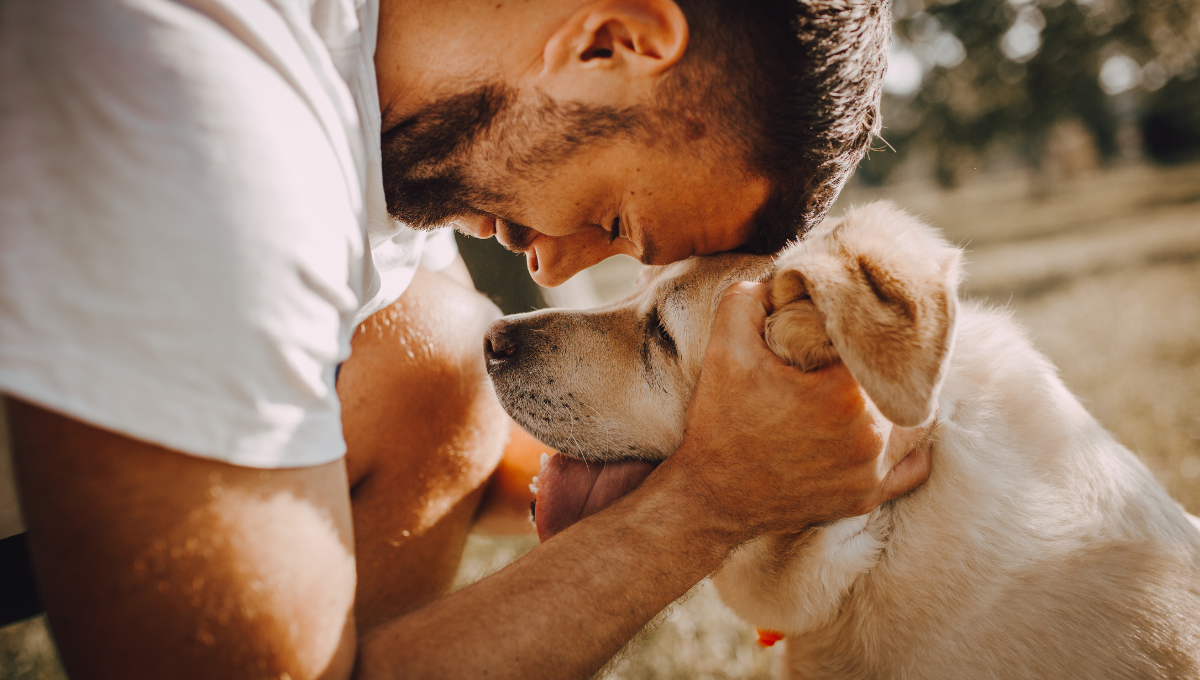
(569, 489)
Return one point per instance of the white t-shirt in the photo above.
(192, 218)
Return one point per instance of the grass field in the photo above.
(1104, 271)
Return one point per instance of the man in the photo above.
(194, 237)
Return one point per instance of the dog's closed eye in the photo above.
(657, 333)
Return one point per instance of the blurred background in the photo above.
(1059, 142)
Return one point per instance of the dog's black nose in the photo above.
(501, 342)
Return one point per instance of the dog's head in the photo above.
(875, 289)
(614, 382)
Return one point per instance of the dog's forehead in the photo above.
(659, 285)
(705, 268)
(699, 275)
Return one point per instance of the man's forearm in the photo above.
(569, 605)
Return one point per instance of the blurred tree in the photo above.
(971, 77)
(1170, 122)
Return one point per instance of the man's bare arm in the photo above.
(156, 564)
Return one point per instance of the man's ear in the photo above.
(610, 45)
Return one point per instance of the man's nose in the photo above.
(554, 259)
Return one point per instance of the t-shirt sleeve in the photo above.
(439, 251)
(180, 243)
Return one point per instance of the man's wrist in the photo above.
(574, 600)
(704, 514)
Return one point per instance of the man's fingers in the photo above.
(743, 310)
(909, 473)
(829, 401)
(907, 453)
(832, 383)
(738, 336)
(905, 439)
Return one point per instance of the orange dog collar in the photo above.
(768, 638)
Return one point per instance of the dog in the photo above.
(1038, 548)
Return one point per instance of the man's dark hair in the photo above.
(795, 83)
(789, 88)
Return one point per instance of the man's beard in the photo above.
(425, 157)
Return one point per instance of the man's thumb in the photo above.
(743, 310)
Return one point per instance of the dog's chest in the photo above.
(795, 583)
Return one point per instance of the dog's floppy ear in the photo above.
(877, 289)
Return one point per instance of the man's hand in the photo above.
(772, 448)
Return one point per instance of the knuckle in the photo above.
(864, 485)
(863, 454)
(741, 289)
(863, 507)
(863, 492)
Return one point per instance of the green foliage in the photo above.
(1001, 74)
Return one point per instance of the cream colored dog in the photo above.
(1039, 547)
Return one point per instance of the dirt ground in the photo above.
(1105, 273)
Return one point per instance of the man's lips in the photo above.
(479, 225)
(570, 489)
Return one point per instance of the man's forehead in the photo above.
(673, 282)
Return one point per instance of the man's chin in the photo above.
(570, 489)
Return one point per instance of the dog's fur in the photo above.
(1039, 547)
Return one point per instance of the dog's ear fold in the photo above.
(877, 289)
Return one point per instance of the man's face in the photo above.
(568, 188)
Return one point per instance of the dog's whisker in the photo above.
(603, 421)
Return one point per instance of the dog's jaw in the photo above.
(549, 386)
(564, 421)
